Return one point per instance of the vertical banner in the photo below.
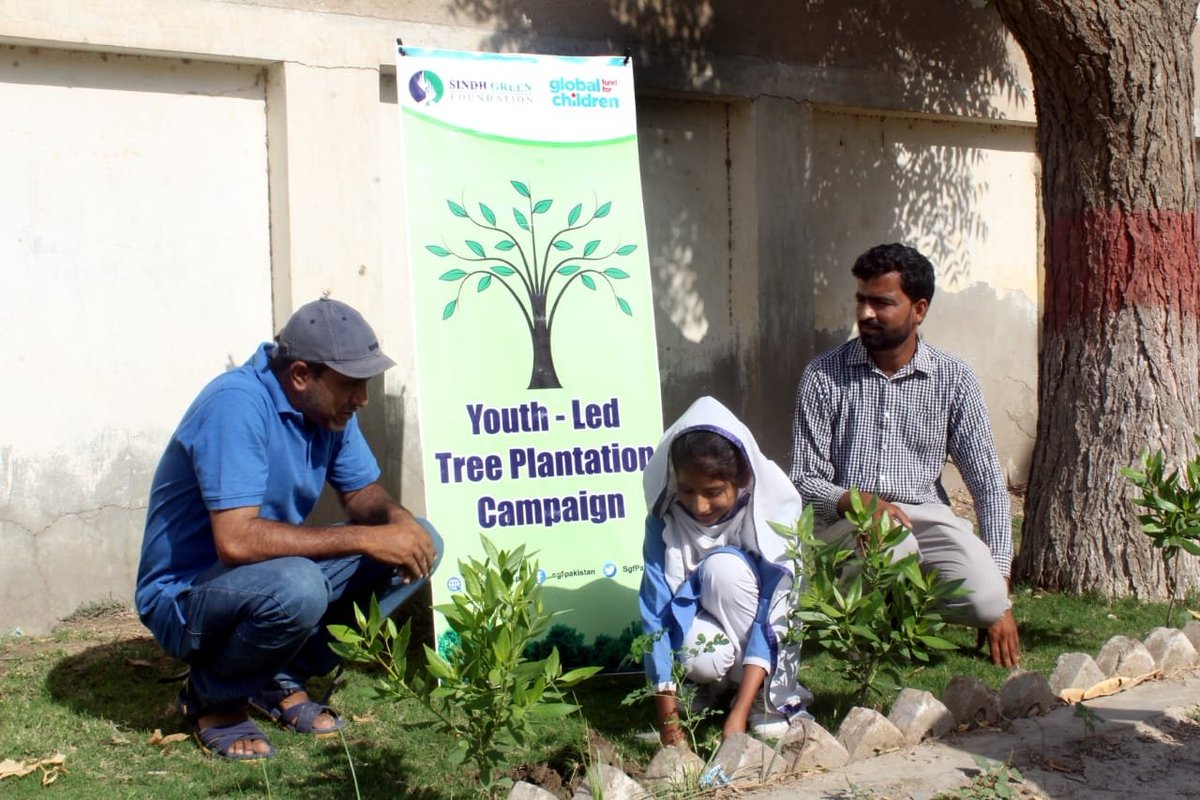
(534, 326)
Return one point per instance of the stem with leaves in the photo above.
(876, 615)
(484, 693)
(1172, 511)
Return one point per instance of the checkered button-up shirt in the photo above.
(855, 426)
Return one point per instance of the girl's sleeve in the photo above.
(763, 641)
(654, 601)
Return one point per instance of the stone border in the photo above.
(916, 715)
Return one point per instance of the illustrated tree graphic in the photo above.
(535, 274)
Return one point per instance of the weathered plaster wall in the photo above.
(258, 168)
(136, 265)
(964, 194)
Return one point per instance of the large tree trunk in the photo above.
(1118, 368)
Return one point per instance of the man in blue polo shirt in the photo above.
(229, 580)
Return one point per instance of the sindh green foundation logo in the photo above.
(536, 260)
(425, 87)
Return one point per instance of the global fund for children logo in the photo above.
(569, 92)
(426, 87)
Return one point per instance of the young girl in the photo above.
(715, 569)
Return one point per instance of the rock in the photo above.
(919, 715)
(602, 751)
(1025, 694)
(527, 791)
(865, 733)
(1074, 671)
(971, 702)
(1171, 649)
(1192, 632)
(741, 759)
(609, 783)
(1122, 657)
(807, 746)
(674, 767)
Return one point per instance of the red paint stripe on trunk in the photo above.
(1103, 261)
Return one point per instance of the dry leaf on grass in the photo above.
(162, 741)
(51, 768)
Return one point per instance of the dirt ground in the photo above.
(1144, 744)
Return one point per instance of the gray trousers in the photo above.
(948, 544)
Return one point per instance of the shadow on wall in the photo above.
(942, 58)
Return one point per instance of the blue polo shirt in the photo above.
(241, 443)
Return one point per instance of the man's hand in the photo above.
(1004, 643)
(406, 545)
(894, 511)
(395, 537)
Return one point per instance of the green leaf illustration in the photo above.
(561, 245)
(449, 309)
(484, 282)
(456, 209)
(476, 248)
(542, 206)
(587, 281)
(521, 188)
(570, 269)
(590, 247)
(520, 218)
(500, 269)
(626, 250)
(487, 214)
(452, 275)
(624, 306)
(440, 252)
(619, 274)
(603, 210)
(573, 217)
(506, 245)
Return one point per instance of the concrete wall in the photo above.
(951, 190)
(183, 173)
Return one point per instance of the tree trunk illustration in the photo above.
(543, 375)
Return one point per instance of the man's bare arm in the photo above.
(383, 531)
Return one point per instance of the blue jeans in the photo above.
(264, 624)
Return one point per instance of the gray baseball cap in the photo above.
(330, 332)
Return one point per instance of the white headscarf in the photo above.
(771, 497)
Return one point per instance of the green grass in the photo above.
(98, 700)
(1050, 625)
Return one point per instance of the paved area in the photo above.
(1147, 746)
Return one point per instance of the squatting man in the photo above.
(881, 413)
(230, 581)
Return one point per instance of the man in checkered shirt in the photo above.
(881, 413)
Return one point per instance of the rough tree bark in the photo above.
(1113, 89)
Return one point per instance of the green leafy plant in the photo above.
(1172, 511)
(995, 781)
(691, 713)
(876, 616)
(535, 273)
(483, 691)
